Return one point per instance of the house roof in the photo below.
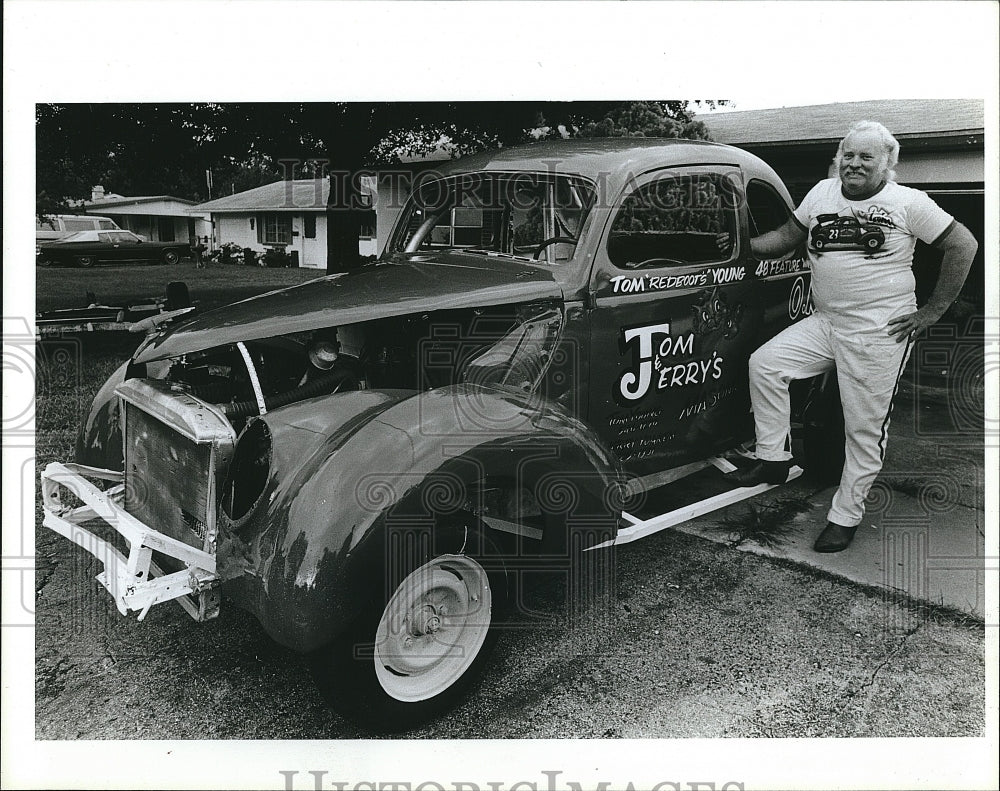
(821, 123)
(119, 200)
(298, 195)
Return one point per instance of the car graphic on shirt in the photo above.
(834, 231)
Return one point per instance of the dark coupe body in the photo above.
(89, 248)
(373, 462)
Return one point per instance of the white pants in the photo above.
(868, 370)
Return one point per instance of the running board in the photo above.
(640, 528)
(657, 479)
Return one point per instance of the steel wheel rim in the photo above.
(433, 628)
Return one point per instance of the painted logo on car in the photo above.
(661, 363)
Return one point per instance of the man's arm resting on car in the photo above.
(773, 243)
(959, 247)
(779, 241)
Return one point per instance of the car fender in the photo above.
(99, 441)
(312, 555)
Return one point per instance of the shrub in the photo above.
(229, 253)
(277, 258)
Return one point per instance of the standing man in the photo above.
(861, 229)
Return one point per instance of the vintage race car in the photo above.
(832, 230)
(374, 463)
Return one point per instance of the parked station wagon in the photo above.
(89, 248)
(374, 463)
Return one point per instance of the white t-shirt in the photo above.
(861, 252)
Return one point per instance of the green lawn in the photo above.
(64, 287)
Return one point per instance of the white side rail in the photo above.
(640, 528)
(135, 582)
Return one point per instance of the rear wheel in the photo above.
(171, 257)
(86, 261)
(411, 658)
(819, 243)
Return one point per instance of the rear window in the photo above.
(768, 210)
(75, 224)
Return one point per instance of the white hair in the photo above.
(889, 143)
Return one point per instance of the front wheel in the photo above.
(85, 261)
(171, 257)
(411, 659)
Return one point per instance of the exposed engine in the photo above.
(410, 352)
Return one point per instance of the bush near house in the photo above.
(276, 258)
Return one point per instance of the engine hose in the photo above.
(318, 387)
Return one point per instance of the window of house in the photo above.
(368, 224)
(768, 210)
(165, 226)
(673, 220)
(275, 228)
(309, 226)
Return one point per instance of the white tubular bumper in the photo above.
(135, 582)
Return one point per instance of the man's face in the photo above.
(862, 164)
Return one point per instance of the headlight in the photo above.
(248, 474)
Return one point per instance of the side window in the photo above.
(106, 238)
(766, 207)
(673, 220)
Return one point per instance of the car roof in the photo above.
(617, 160)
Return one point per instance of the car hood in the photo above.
(392, 287)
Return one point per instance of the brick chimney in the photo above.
(97, 193)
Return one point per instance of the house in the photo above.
(940, 140)
(159, 218)
(289, 215)
(941, 151)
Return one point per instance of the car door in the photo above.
(675, 319)
(126, 246)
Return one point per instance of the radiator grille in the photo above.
(176, 451)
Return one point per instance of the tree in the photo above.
(647, 119)
(152, 149)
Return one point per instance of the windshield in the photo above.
(526, 215)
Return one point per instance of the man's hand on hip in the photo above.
(903, 327)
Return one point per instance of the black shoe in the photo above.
(834, 538)
(773, 472)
